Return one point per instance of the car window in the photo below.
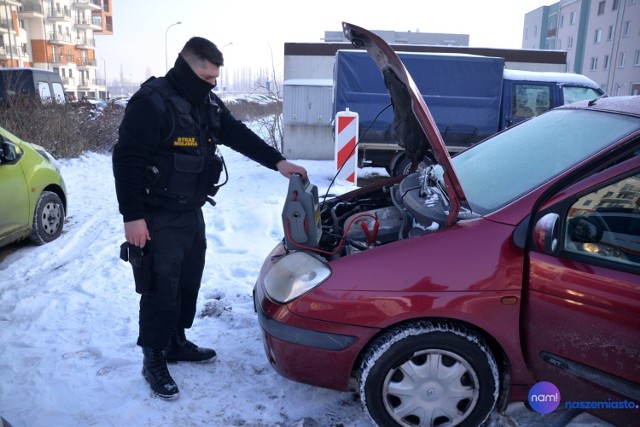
(44, 91)
(58, 91)
(513, 163)
(578, 93)
(530, 100)
(605, 223)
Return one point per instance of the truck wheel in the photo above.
(401, 165)
(48, 218)
(429, 374)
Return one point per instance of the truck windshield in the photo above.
(519, 160)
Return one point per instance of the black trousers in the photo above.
(178, 253)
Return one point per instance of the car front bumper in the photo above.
(306, 350)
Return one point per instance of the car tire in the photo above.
(401, 165)
(429, 373)
(48, 218)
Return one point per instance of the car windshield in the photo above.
(513, 163)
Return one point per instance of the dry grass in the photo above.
(67, 131)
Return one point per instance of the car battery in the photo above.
(301, 215)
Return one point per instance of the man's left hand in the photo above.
(286, 168)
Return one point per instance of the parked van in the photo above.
(470, 96)
(43, 84)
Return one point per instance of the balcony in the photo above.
(6, 25)
(86, 84)
(58, 38)
(60, 15)
(62, 59)
(30, 10)
(87, 24)
(7, 52)
(87, 4)
(84, 43)
(86, 63)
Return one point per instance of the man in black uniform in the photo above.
(165, 167)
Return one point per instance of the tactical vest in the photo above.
(184, 167)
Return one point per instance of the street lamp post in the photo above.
(166, 54)
(223, 88)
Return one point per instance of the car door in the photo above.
(581, 317)
(14, 208)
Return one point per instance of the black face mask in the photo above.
(189, 85)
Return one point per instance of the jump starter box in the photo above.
(301, 215)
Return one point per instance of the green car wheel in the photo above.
(47, 219)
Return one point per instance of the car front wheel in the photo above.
(429, 374)
(48, 218)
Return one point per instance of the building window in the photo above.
(601, 8)
(597, 37)
(594, 63)
(636, 61)
(615, 5)
(605, 66)
(570, 42)
(621, 56)
(561, 21)
(626, 32)
(572, 18)
(612, 32)
(535, 31)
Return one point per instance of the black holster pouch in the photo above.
(141, 263)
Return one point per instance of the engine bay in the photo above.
(378, 214)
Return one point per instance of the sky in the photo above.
(252, 33)
(68, 320)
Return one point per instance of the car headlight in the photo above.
(294, 275)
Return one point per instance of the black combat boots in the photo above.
(154, 370)
(180, 349)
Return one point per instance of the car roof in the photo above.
(629, 105)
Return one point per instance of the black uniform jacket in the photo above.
(148, 122)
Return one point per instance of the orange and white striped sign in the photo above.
(346, 152)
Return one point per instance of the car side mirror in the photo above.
(546, 233)
(587, 230)
(8, 153)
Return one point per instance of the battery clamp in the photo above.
(301, 215)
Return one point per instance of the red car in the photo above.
(481, 279)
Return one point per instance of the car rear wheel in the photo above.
(47, 219)
(429, 374)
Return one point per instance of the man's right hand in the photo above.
(136, 232)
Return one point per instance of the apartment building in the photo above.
(601, 38)
(57, 35)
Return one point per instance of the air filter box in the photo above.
(301, 215)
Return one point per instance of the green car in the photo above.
(33, 198)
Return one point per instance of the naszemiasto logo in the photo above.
(544, 397)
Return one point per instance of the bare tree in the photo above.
(271, 124)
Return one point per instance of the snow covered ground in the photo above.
(68, 320)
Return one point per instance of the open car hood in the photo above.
(415, 129)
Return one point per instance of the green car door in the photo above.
(14, 194)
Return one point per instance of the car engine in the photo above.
(391, 210)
